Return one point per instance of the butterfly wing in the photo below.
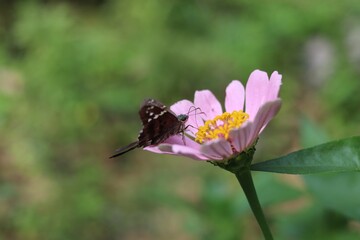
(159, 123)
(122, 150)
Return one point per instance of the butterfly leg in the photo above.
(190, 126)
(183, 137)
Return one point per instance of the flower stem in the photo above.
(245, 179)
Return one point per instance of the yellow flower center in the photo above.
(220, 126)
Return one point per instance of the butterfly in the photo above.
(159, 123)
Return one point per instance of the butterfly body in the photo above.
(159, 123)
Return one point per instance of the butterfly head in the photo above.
(183, 117)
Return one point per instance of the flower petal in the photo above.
(263, 117)
(274, 86)
(163, 150)
(187, 107)
(189, 152)
(167, 147)
(182, 107)
(208, 104)
(182, 150)
(256, 92)
(179, 140)
(241, 137)
(246, 135)
(217, 149)
(235, 93)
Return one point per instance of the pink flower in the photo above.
(214, 135)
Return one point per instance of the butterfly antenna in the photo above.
(194, 109)
(125, 149)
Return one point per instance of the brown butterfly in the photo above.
(159, 123)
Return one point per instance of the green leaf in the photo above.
(337, 156)
(339, 192)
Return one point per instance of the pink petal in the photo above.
(263, 117)
(179, 150)
(274, 86)
(246, 135)
(217, 149)
(174, 140)
(173, 145)
(235, 93)
(182, 150)
(156, 149)
(241, 137)
(208, 104)
(179, 140)
(182, 107)
(256, 92)
(187, 107)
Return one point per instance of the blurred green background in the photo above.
(72, 77)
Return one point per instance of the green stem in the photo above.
(246, 182)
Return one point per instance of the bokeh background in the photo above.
(73, 74)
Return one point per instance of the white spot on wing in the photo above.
(140, 133)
